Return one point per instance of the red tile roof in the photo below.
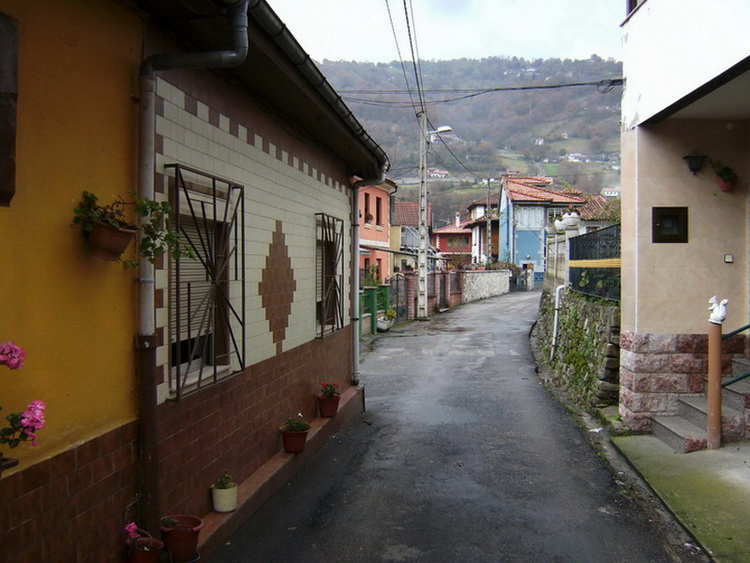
(406, 213)
(528, 190)
(600, 208)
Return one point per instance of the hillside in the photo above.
(569, 133)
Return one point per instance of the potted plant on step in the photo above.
(224, 493)
(142, 546)
(110, 233)
(328, 400)
(294, 434)
(180, 534)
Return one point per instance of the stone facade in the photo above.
(478, 284)
(656, 368)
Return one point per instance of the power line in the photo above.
(604, 86)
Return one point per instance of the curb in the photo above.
(273, 474)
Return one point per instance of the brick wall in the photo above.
(234, 425)
(71, 507)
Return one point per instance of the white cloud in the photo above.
(450, 29)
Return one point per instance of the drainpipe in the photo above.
(146, 342)
(356, 313)
(558, 306)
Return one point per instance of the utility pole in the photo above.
(422, 255)
(489, 225)
(424, 142)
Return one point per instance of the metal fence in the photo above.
(594, 263)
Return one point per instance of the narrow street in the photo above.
(461, 456)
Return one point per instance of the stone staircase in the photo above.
(686, 431)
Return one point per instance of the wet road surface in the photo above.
(461, 456)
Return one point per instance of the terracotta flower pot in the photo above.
(726, 185)
(145, 550)
(294, 442)
(108, 242)
(181, 540)
(328, 406)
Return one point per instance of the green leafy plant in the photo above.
(296, 424)
(390, 314)
(225, 481)
(723, 171)
(157, 236)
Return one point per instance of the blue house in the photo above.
(517, 232)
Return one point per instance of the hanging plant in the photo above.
(727, 176)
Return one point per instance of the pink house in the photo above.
(375, 229)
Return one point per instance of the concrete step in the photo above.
(740, 366)
(694, 408)
(681, 435)
(737, 395)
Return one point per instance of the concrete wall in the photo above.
(672, 47)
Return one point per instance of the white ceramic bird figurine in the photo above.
(718, 312)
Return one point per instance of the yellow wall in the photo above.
(74, 314)
(666, 286)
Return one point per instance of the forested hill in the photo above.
(551, 130)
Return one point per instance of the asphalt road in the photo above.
(462, 456)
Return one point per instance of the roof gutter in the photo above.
(146, 342)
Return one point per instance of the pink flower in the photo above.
(132, 531)
(11, 355)
(32, 420)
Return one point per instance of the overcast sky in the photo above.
(360, 30)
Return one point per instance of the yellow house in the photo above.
(177, 370)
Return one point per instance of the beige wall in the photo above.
(666, 286)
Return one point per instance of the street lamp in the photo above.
(425, 138)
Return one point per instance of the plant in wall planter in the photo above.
(23, 426)
(224, 493)
(294, 434)
(110, 233)
(142, 546)
(386, 322)
(180, 533)
(727, 176)
(328, 400)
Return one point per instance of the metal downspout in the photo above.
(356, 313)
(148, 431)
(558, 306)
(356, 320)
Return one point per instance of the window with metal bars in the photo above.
(206, 293)
(329, 276)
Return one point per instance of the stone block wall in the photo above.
(586, 356)
(481, 284)
(656, 368)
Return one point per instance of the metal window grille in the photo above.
(207, 294)
(594, 263)
(329, 276)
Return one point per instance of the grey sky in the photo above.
(360, 30)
